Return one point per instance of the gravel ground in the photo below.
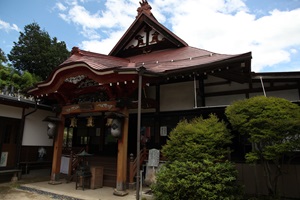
(14, 190)
(8, 193)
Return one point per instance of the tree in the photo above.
(196, 166)
(36, 52)
(273, 126)
(3, 58)
(12, 80)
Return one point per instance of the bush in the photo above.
(197, 180)
(197, 140)
(196, 167)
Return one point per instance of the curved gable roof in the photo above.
(142, 20)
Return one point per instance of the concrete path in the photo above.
(35, 186)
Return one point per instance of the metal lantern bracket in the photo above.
(52, 119)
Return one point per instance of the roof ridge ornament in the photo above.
(75, 50)
(144, 7)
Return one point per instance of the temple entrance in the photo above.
(97, 138)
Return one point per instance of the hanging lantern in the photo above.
(116, 128)
(73, 122)
(52, 126)
(90, 122)
(115, 121)
(51, 130)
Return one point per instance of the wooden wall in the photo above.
(253, 178)
(30, 153)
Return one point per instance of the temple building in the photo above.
(151, 78)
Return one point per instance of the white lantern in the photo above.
(116, 128)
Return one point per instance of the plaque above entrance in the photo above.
(91, 107)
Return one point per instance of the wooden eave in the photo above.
(96, 66)
(276, 76)
(135, 27)
(21, 102)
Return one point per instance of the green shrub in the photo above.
(197, 180)
(197, 167)
(197, 140)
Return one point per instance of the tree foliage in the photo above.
(36, 52)
(273, 126)
(12, 80)
(197, 140)
(3, 58)
(196, 166)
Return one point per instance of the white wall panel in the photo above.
(177, 96)
(35, 130)
(230, 86)
(10, 111)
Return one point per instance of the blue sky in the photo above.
(270, 29)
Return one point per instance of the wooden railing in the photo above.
(74, 160)
(133, 164)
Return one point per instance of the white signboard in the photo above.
(163, 131)
(153, 159)
(3, 160)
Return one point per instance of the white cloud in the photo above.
(8, 27)
(103, 46)
(92, 34)
(117, 14)
(60, 6)
(229, 27)
(294, 51)
(221, 26)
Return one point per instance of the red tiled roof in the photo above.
(174, 56)
(158, 62)
(95, 60)
(178, 59)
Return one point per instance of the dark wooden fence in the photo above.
(253, 178)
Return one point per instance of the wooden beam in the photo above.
(252, 90)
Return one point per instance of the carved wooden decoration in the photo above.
(145, 39)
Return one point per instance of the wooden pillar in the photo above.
(157, 116)
(201, 100)
(122, 158)
(57, 151)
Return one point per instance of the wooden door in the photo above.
(9, 131)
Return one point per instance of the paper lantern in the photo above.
(116, 128)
